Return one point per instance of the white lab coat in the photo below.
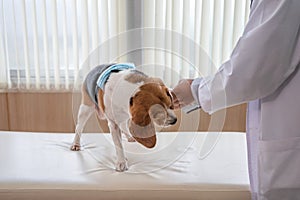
(264, 70)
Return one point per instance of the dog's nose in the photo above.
(173, 121)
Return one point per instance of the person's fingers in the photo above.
(176, 104)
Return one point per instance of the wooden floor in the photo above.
(53, 112)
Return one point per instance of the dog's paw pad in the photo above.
(75, 147)
(122, 166)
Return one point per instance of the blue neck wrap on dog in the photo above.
(105, 74)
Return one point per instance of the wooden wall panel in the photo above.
(230, 119)
(41, 112)
(53, 112)
(236, 118)
(4, 123)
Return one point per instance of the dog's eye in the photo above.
(131, 101)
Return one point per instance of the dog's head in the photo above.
(151, 104)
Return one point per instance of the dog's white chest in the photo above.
(117, 95)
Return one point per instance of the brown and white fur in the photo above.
(132, 103)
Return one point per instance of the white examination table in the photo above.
(41, 166)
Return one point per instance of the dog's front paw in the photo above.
(75, 147)
(122, 166)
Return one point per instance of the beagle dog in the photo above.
(131, 102)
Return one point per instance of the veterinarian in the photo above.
(263, 70)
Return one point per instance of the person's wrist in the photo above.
(194, 89)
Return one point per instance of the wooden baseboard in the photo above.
(53, 112)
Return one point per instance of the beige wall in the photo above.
(53, 112)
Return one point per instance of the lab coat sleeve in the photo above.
(261, 60)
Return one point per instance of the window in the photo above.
(50, 45)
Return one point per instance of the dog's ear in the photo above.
(141, 125)
(145, 135)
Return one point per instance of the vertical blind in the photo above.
(45, 44)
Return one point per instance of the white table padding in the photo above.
(41, 166)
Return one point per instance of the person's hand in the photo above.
(182, 93)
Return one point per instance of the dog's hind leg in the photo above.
(84, 114)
